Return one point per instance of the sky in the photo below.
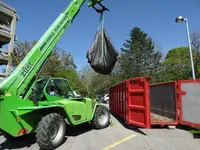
(155, 17)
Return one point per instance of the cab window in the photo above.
(60, 88)
(37, 91)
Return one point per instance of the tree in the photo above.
(139, 56)
(67, 60)
(195, 40)
(176, 65)
(52, 66)
(96, 83)
(86, 75)
(20, 51)
(73, 78)
(58, 59)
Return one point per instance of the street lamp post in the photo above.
(180, 19)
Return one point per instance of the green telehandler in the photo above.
(46, 106)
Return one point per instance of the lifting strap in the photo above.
(101, 22)
(101, 29)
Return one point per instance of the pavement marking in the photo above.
(119, 142)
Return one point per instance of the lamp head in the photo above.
(180, 19)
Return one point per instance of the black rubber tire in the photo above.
(95, 122)
(9, 137)
(43, 134)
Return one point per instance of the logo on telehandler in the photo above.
(26, 69)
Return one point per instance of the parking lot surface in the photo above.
(115, 137)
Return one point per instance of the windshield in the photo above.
(59, 87)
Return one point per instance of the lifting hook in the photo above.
(102, 9)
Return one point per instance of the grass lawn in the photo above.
(192, 130)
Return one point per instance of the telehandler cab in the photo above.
(46, 106)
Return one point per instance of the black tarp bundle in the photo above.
(102, 55)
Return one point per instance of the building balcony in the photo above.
(4, 37)
(6, 13)
(3, 59)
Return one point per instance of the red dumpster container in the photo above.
(144, 105)
(130, 101)
(163, 103)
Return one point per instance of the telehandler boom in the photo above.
(26, 102)
(27, 70)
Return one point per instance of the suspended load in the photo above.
(102, 55)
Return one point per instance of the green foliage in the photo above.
(59, 60)
(139, 56)
(99, 84)
(73, 78)
(52, 66)
(176, 65)
(20, 51)
(195, 40)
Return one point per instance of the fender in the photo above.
(24, 124)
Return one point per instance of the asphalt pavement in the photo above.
(115, 137)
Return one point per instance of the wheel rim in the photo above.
(103, 118)
(54, 132)
(57, 132)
